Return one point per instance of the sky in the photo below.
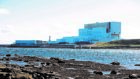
(39, 19)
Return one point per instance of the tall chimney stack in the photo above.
(49, 38)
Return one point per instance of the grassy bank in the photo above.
(131, 43)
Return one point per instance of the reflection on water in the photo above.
(127, 57)
(20, 63)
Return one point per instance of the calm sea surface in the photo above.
(127, 57)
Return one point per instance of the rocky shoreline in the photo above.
(56, 68)
(88, 46)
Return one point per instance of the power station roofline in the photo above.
(99, 24)
(104, 22)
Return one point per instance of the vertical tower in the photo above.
(49, 38)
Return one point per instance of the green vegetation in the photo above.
(107, 44)
(130, 42)
(127, 42)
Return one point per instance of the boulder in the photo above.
(137, 64)
(53, 58)
(48, 63)
(8, 55)
(113, 72)
(133, 76)
(57, 60)
(115, 63)
(98, 72)
(60, 61)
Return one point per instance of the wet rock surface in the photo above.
(113, 72)
(56, 68)
(115, 63)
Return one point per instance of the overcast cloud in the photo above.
(37, 19)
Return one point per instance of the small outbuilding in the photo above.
(29, 43)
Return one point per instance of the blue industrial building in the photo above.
(29, 43)
(95, 32)
(91, 33)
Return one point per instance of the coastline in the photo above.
(76, 46)
(107, 47)
(56, 68)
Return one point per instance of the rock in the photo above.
(72, 59)
(51, 74)
(55, 64)
(29, 66)
(113, 72)
(37, 60)
(98, 72)
(16, 55)
(19, 59)
(115, 63)
(26, 61)
(60, 61)
(6, 70)
(7, 59)
(53, 58)
(133, 76)
(137, 64)
(4, 58)
(57, 60)
(22, 77)
(48, 63)
(4, 76)
(78, 77)
(43, 64)
(1, 59)
(8, 55)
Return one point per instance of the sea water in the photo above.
(127, 57)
